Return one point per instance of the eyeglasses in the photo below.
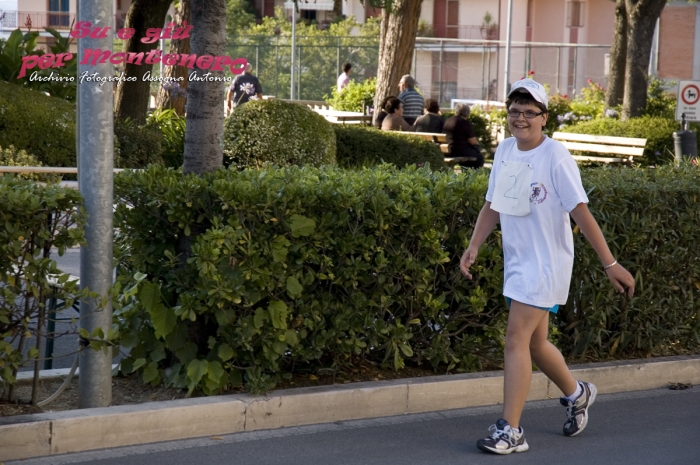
(529, 114)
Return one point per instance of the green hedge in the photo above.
(657, 131)
(137, 146)
(35, 218)
(362, 146)
(298, 268)
(43, 126)
(277, 132)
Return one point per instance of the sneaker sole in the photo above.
(594, 392)
(521, 448)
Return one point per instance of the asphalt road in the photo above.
(658, 427)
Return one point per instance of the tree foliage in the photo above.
(320, 53)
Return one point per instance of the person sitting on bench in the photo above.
(461, 139)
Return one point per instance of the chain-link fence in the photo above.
(318, 61)
(445, 69)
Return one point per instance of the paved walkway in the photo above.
(657, 427)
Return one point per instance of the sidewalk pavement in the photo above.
(47, 434)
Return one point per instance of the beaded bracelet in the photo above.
(607, 267)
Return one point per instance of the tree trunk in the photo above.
(397, 41)
(132, 97)
(171, 98)
(205, 99)
(618, 56)
(641, 22)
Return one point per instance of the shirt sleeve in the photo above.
(258, 86)
(567, 183)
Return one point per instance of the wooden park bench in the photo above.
(341, 117)
(586, 147)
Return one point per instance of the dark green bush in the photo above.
(302, 268)
(657, 131)
(277, 132)
(172, 126)
(136, 146)
(650, 219)
(34, 219)
(296, 269)
(363, 146)
(43, 126)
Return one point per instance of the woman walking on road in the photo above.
(534, 187)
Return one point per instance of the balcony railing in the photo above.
(38, 20)
(466, 32)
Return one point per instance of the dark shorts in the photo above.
(554, 309)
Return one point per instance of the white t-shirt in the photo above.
(538, 248)
(343, 81)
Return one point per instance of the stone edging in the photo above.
(46, 434)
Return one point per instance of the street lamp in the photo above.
(315, 5)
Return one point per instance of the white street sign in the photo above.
(688, 100)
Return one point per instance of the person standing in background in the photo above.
(243, 87)
(344, 78)
(412, 100)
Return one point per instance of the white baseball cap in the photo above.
(531, 87)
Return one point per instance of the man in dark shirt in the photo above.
(461, 138)
(243, 87)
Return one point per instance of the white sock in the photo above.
(577, 393)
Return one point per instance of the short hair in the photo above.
(392, 105)
(347, 67)
(249, 68)
(432, 105)
(462, 109)
(523, 98)
(408, 81)
(385, 101)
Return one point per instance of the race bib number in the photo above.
(511, 195)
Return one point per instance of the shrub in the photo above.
(660, 103)
(356, 96)
(278, 132)
(34, 219)
(649, 218)
(43, 126)
(590, 101)
(657, 131)
(172, 126)
(13, 157)
(484, 130)
(559, 113)
(301, 268)
(363, 146)
(136, 146)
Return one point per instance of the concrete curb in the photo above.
(45, 434)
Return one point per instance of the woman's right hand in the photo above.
(468, 258)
